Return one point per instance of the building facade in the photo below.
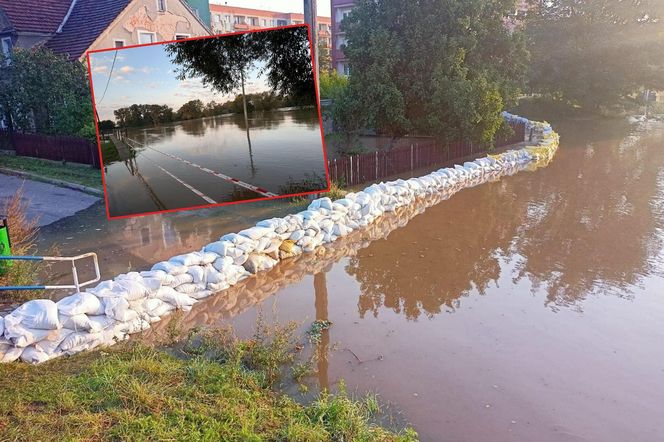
(73, 27)
(340, 10)
(227, 19)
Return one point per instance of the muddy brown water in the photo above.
(530, 308)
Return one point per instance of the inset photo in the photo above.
(208, 121)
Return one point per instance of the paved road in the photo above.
(46, 202)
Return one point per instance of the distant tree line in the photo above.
(155, 114)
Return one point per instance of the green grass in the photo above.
(215, 387)
(109, 152)
(72, 173)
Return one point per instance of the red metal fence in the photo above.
(357, 169)
(59, 148)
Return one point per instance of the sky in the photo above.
(145, 75)
(277, 5)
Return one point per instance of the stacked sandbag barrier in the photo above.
(42, 329)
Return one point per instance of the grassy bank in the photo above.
(213, 387)
(72, 173)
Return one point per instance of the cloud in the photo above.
(127, 69)
(101, 69)
(146, 70)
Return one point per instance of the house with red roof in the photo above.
(72, 27)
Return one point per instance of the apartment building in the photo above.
(340, 10)
(233, 19)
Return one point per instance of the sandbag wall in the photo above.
(40, 330)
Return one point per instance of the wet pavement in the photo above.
(525, 309)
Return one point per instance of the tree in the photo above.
(594, 53)
(224, 62)
(106, 125)
(437, 67)
(44, 92)
(191, 110)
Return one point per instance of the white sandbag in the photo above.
(32, 355)
(237, 239)
(188, 259)
(221, 264)
(78, 339)
(190, 288)
(80, 303)
(9, 353)
(100, 322)
(212, 275)
(296, 235)
(257, 263)
(20, 336)
(256, 232)
(50, 344)
(162, 276)
(170, 267)
(184, 278)
(164, 309)
(175, 298)
(131, 327)
(40, 314)
(79, 322)
(221, 248)
(118, 308)
(197, 273)
(132, 289)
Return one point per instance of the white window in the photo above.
(345, 14)
(264, 23)
(161, 5)
(146, 37)
(341, 42)
(239, 20)
(217, 18)
(6, 49)
(281, 23)
(118, 43)
(182, 36)
(253, 21)
(227, 18)
(346, 69)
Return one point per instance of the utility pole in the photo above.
(310, 17)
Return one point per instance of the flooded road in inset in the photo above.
(531, 308)
(280, 153)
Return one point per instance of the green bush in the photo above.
(332, 85)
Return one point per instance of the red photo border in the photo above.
(207, 206)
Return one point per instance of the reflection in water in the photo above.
(320, 289)
(590, 224)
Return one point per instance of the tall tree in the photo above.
(438, 67)
(595, 52)
(224, 62)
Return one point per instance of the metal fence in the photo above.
(357, 169)
(52, 147)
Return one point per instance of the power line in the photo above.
(109, 78)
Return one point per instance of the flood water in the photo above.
(530, 308)
(281, 153)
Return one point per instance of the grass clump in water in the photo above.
(214, 387)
